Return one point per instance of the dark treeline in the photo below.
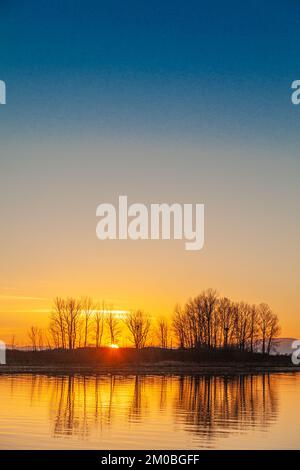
(206, 321)
(141, 360)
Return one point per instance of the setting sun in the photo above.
(114, 346)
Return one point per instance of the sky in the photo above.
(164, 102)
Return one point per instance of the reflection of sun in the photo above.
(114, 346)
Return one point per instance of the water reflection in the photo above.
(206, 406)
(214, 405)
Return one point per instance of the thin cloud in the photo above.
(21, 297)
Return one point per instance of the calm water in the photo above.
(150, 412)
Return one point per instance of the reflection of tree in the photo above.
(136, 403)
(66, 420)
(112, 381)
(163, 392)
(207, 406)
(213, 405)
(77, 404)
(81, 403)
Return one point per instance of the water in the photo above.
(150, 412)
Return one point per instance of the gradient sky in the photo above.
(166, 102)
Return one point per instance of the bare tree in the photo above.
(193, 323)
(88, 310)
(253, 326)
(179, 326)
(66, 323)
(72, 318)
(264, 317)
(269, 327)
(33, 335)
(54, 335)
(201, 320)
(226, 317)
(208, 299)
(113, 325)
(99, 325)
(273, 332)
(163, 332)
(242, 324)
(57, 326)
(138, 325)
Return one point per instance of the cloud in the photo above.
(21, 297)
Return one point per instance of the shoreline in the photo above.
(147, 369)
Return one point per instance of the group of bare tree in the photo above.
(209, 321)
(76, 323)
(81, 323)
(66, 324)
(206, 321)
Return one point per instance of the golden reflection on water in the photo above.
(143, 411)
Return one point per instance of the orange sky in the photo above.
(146, 275)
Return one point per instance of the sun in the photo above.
(114, 346)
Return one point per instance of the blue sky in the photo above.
(157, 67)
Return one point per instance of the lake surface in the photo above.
(150, 412)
